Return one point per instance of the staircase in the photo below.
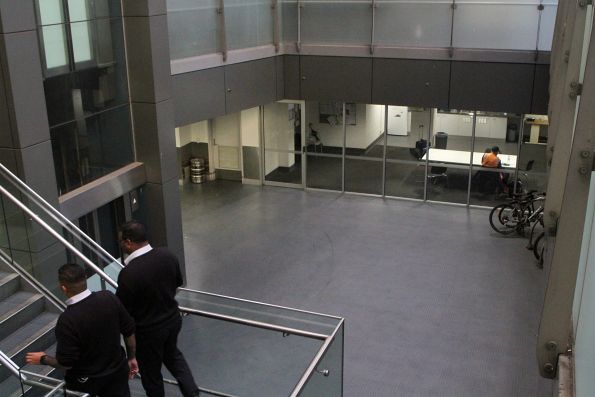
(27, 321)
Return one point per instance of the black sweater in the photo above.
(147, 288)
(88, 335)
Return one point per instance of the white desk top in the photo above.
(462, 157)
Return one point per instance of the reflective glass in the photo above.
(495, 26)
(345, 22)
(248, 23)
(193, 27)
(449, 157)
(419, 24)
(532, 160)
(289, 17)
(364, 149)
(50, 12)
(407, 143)
(546, 27)
(81, 41)
(54, 46)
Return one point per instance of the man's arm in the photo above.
(130, 342)
(40, 358)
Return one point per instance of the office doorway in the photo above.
(283, 142)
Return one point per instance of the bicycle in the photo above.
(517, 214)
(537, 244)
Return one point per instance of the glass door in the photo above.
(283, 139)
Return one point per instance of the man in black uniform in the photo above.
(88, 337)
(147, 287)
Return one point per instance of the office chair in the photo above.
(525, 174)
(436, 173)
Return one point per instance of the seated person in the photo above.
(491, 160)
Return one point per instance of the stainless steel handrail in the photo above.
(57, 215)
(56, 235)
(53, 389)
(11, 365)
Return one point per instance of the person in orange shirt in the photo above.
(491, 160)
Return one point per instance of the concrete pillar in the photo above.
(145, 27)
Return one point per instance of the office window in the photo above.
(86, 87)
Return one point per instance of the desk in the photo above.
(462, 157)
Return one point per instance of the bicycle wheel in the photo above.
(505, 218)
(539, 247)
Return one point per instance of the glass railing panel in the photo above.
(244, 361)
(336, 22)
(546, 26)
(488, 24)
(193, 27)
(248, 23)
(289, 20)
(254, 311)
(327, 379)
(425, 23)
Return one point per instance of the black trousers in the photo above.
(112, 385)
(160, 347)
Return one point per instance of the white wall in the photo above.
(226, 135)
(369, 126)
(197, 132)
(462, 125)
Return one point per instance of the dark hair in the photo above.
(495, 149)
(134, 231)
(72, 274)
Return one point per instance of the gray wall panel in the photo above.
(291, 74)
(279, 85)
(251, 161)
(336, 78)
(16, 16)
(503, 87)
(250, 84)
(5, 127)
(199, 95)
(410, 82)
(541, 96)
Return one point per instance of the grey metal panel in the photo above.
(37, 170)
(199, 95)
(5, 127)
(249, 84)
(504, 87)
(101, 191)
(16, 16)
(279, 74)
(148, 58)
(143, 8)
(250, 160)
(291, 75)
(155, 139)
(23, 84)
(411, 82)
(541, 96)
(336, 78)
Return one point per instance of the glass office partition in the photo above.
(449, 156)
(364, 148)
(289, 20)
(425, 23)
(532, 162)
(324, 142)
(282, 132)
(193, 27)
(336, 22)
(406, 145)
(248, 23)
(495, 25)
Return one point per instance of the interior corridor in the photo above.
(436, 304)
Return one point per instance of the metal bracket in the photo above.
(576, 89)
(453, 5)
(372, 46)
(540, 7)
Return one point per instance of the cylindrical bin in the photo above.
(440, 140)
(198, 170)
(512, 133)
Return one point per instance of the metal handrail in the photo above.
(11, 365)
(53, 389)
(57, 216)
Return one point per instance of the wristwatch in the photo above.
(42, 359)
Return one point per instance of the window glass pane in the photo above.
(546, 27)
(420, 23)
(345, 22)
(88, 149)
(54, 46)
(81, 41)
(193, 27)
(78, 10)
(496, 26)
(532, 157)
(407, 143)
(248, 23)
(289, 17)
(50, 12)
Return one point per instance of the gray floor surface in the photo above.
(436, 304)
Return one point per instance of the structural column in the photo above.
(146, 33)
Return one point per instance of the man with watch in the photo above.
(88, 339)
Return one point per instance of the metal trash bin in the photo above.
(440, 140)
(198, 170)
(512, 133)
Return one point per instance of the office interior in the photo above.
(317, 189)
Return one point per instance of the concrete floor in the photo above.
(436, 304)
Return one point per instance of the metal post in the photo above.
(298, 45)
(344, 150)
(428, 148)
(384, 150)
(471, 157)
(518, 152)
(374, 6)
(276, 28)
(222, 30)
